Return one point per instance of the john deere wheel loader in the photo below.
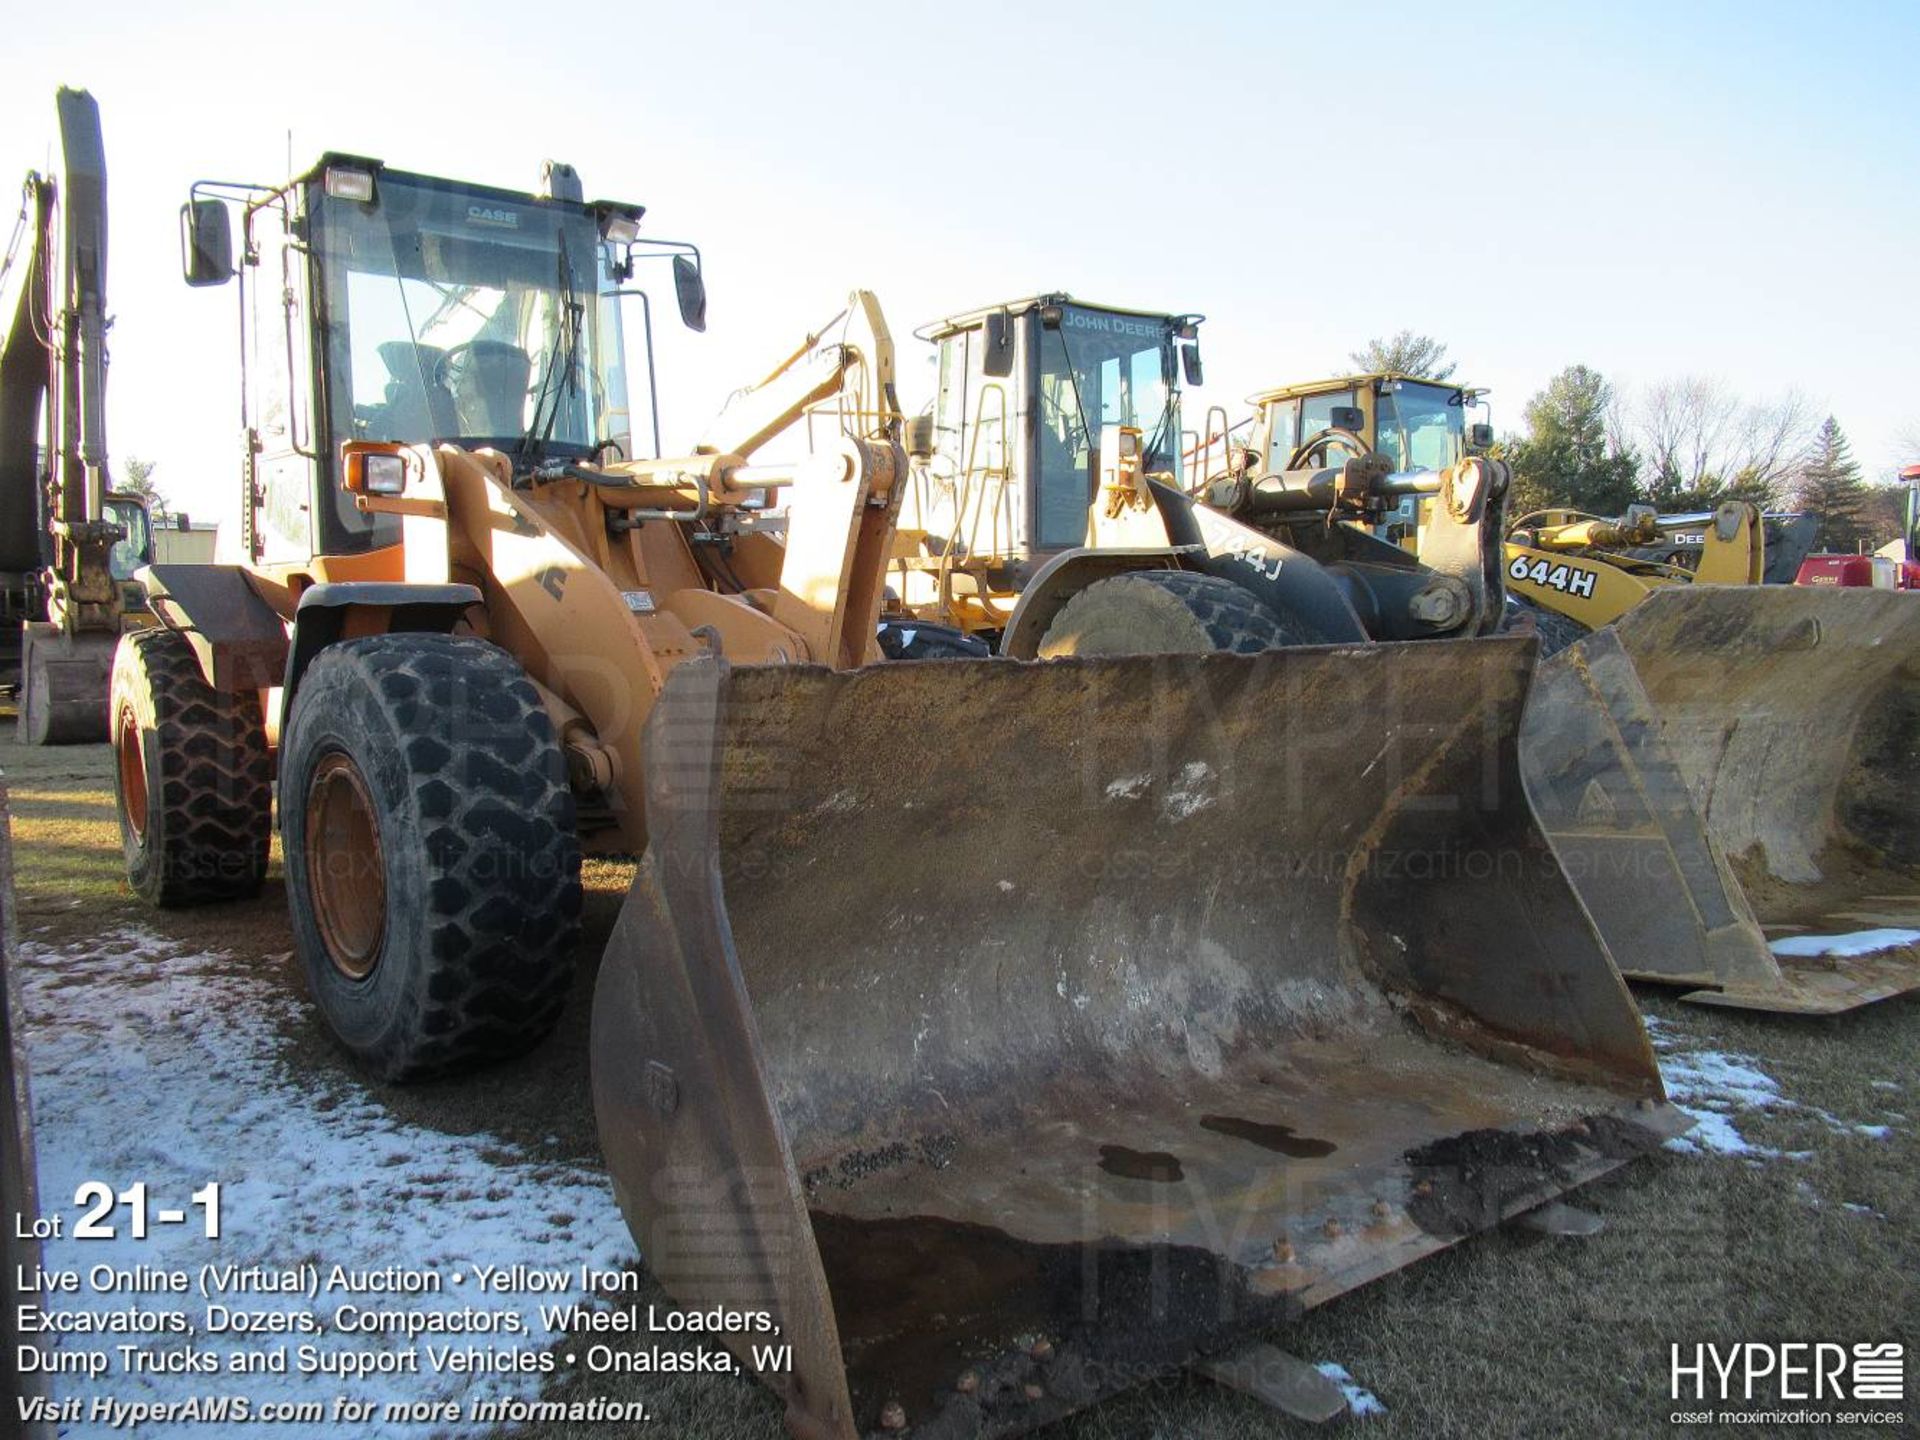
(1000, 1083)
(69, 545)
(1718, 755)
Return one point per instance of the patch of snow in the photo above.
(1129, 787)
(1360, 1400)
(1859, 942)
(1885, 1084)
(153, 1063)
(1861, 1209)
(1006, 886)
(1712, 1087)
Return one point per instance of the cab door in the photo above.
(281, 459)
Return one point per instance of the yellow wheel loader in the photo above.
(1051, 464)
(69, 544)
(1711, 754)
(1223, 984)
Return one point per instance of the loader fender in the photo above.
(327, 613)
(1065, 576)
(1307, 597)
(238, 638)
(1310, 598)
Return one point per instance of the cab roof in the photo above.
(962, 320)
(1353, 382)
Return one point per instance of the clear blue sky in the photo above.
(1649, 189)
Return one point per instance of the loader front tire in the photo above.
(191, 778)
(1164, 612)
(433, 870)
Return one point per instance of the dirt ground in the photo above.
(1808, 1235)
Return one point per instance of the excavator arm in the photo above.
(55, 364)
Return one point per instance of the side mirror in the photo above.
(1479, 435)
(1190, 363)
(996, 359)
(206, 243)
(1346, 417)
(691, 291)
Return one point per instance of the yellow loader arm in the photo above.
(1575, 564)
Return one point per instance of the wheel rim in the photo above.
(345, 873)
(133, 775)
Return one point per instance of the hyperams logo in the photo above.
(1730, 1379)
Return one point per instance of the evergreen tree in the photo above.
(1832, 491)
(1568, 457)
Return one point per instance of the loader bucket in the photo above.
(1011, 1033)
(1731, 757)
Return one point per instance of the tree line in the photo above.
(1681, 445)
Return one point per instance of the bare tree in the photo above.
(1701, 441)
(1906, 444)
(1405, 354)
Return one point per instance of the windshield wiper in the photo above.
(566, 344)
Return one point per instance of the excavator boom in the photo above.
(58, 535)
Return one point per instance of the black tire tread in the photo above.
(210, 791)
(1233, 619)
(492, 817)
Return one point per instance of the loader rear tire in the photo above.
(433, 870)
(1164, 612)
(191, 778)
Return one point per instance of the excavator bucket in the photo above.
(1009, 1034)
(1728, 758)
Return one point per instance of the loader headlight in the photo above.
(376, 469)
(618, 229)
(346, 183)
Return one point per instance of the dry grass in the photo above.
(1507, 1334)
